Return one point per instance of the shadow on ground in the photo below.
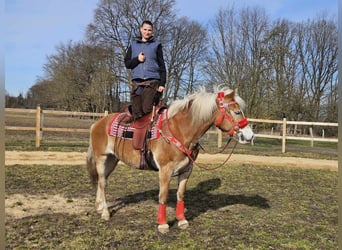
(198, 200)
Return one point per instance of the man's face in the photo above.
(146, 31)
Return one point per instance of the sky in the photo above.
(34, 28)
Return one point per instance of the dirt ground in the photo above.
(77, 158)
(19, 206)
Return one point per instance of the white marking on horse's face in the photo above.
(246, 135)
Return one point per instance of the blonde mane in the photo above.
(203, 104)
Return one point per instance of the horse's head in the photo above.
(230, 116)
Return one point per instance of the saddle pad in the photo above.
(126, 131)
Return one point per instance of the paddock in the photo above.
(251, 202)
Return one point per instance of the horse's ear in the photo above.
(236, 91)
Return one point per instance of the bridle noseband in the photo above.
(223, 115)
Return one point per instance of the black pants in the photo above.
(142, 98)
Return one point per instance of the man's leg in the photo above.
(137, 110)
(148, 97)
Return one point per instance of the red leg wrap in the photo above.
(162, 214)
(180, 210)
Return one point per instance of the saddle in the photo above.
(142, 131)
(141, 126)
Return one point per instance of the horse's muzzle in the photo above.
(245, 135)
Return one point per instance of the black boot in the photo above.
(130, 120)
(133, 118)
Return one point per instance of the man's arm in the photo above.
(161, 63)
(130, 63)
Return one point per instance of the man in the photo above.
(145, 59)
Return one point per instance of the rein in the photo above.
(173, 138)
(217, 152)
(219, 166)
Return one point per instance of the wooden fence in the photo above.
(282, 124)
(284, 135)
(39, 128)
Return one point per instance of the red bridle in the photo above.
(223, 115)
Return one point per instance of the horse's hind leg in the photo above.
(105, 164)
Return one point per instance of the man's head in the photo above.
(146, 30)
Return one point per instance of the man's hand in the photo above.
(141, 57)
(160, 89)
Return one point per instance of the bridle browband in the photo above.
(223, 115)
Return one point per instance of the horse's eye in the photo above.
(237, 112)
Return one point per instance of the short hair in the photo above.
(147, 22)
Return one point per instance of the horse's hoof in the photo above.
(183, 224)
(105, 216)
(98, 207)
(163, 228)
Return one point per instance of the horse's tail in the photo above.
(91, 164)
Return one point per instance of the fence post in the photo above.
(311, 135)
(38, 127)
(41, 125)
(283, 144)
(219, 139)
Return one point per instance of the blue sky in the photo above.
(33, 28)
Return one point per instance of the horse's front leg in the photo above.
(182, 181)
(164, 181)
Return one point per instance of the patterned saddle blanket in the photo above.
(119, 128)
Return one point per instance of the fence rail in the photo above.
(39, 128)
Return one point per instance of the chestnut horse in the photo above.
(174, 151)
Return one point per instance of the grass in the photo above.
(235, 207)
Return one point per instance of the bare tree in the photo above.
(116, 23)
(280, 68)
(93, 73)
(184, 53)
(70, 75)
(237, 58)
(282, 71)
(221, 58)
(46, 94)
(317, 48)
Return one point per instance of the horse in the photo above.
(173, 153)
